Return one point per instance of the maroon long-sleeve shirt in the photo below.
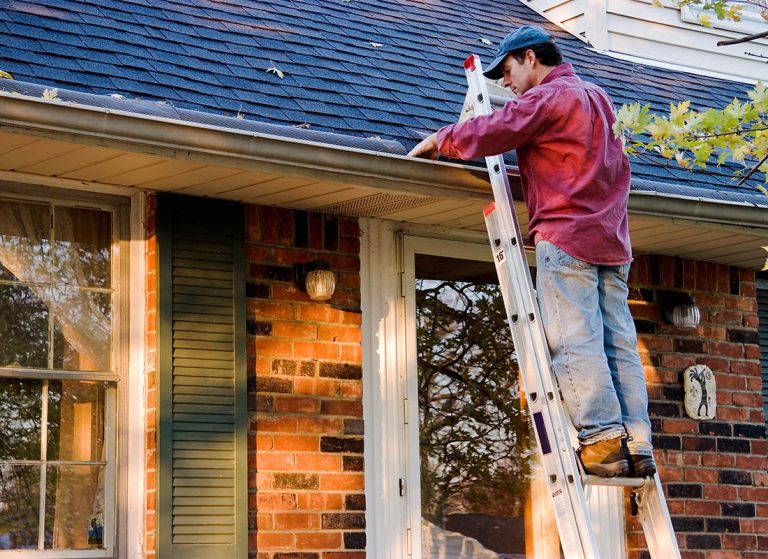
(573, 170)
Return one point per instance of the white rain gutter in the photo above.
(227, 147)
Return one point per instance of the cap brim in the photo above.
(493, 72)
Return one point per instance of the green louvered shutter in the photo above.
(202, 440)
(762, 314)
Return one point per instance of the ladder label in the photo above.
(541, 431)
(499, 256)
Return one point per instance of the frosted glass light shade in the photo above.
(320, 284)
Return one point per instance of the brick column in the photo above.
(305, 390)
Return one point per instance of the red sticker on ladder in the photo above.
(469, 63)
(488, 209)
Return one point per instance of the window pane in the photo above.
(473, 430)
(23, 327)
(83, 241)
(24, 242)
(74, 512)
(20, 415)
(76, 420)
(82, 330)
(19, 506)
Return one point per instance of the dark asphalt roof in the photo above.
(389, 69)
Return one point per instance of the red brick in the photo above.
(342, 482)
(274, 348)
(302, 330)
(324, 425)
(720, 492)
(751, 368)
(257, 253)
(746, 399)
(296, 404)
(319, 501)
(352, 389)
(342, 407)
(756, 494)
(297, 521)
(264, 521)
(275, 461)
(701, 474)
(316, 350)
(272, 501)
(718, 460)
(655, 343)
(715, 363)
(741, 542)
(351, 353)
(269, 309)
(274, 540)
(339, 333)
(679, 426)
(276, 424)
(727, 413)
(677, 361)
(702, 508)
(318, 313)
(260, 442)
(288, 292)
(741, 303)
(297, 442)
(318, 540)
(318, 462)
(731, 382)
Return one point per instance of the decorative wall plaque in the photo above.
(700, 392)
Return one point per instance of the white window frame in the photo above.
(120, 435)
(389, 396)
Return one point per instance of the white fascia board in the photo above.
(675, 67)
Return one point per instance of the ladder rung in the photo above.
(615, 481)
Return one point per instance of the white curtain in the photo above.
(53, 276)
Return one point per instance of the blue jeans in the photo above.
(593, 343)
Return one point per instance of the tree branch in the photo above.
(745, 39)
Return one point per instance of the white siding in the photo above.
(637, 28)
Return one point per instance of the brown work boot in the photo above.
(605, 458)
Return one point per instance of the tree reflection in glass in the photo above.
(23, 328)
(475, 464)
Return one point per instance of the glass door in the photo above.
(470, 463)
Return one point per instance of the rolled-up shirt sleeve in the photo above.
(514, 125)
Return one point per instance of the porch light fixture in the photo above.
(679, 308)
(315, 279)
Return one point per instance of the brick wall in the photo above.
(715, 472)
(306, 490)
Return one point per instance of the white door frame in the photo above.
(390, 402)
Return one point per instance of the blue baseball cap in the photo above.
(523, 37)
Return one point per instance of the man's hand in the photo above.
(426, 148)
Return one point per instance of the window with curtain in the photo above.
(57, 380)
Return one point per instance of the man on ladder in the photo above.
(575, 180)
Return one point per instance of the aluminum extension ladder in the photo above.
(567, 484)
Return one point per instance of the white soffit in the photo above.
(37, 159)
